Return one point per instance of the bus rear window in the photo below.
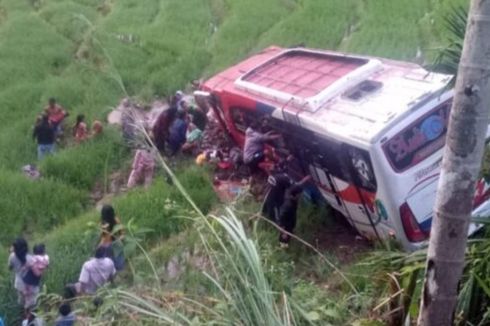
(419, 140)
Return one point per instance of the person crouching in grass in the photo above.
(80, 129)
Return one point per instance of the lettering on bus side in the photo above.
(419, 140)
(419, 175)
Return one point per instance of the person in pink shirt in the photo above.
(36, 266)
(143, 167)
(80, 129)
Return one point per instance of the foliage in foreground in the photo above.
(404, 277)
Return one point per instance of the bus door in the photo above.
(326, 169)
(362, 190)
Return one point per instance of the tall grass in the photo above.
(28, 206)
(162, 208)
(315, 23)
(244, 25)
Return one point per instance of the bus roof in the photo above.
(344, 96)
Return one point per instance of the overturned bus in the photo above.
(370, 131)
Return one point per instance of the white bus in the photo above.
(370, 131)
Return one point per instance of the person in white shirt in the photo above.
(253, 149)
(18, 262)
(95, 273)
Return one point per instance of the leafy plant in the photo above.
(448, 57)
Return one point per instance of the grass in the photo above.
(82, 165)
(28, 206)
(162, 208)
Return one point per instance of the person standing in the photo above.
(35, 268)
(162, 125)
(17, 261)
(44, 134)
(110, 238)
(177, 133)
(287, 214)
(56, 114)
(278, 183)
(143, 167)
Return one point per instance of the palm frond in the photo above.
(447, 58)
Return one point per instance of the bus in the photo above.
(370, 131)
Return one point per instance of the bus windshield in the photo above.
(419, 140)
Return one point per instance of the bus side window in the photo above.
(239, 120)
(329, 156)
(361, 168)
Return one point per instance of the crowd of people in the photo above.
(31, 268)
(177, 129)
(48, 128)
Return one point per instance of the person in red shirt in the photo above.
(56, 114)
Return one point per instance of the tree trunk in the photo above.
(460, 169)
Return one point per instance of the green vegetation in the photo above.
(90, 53)
(82, 165)
(27, 206)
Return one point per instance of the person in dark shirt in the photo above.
(177, 133)
(287, 213)
(279, 182)
(45, 135)
(162, 125)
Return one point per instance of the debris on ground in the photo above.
(31, 171)
(229, 190)
(231, 176)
